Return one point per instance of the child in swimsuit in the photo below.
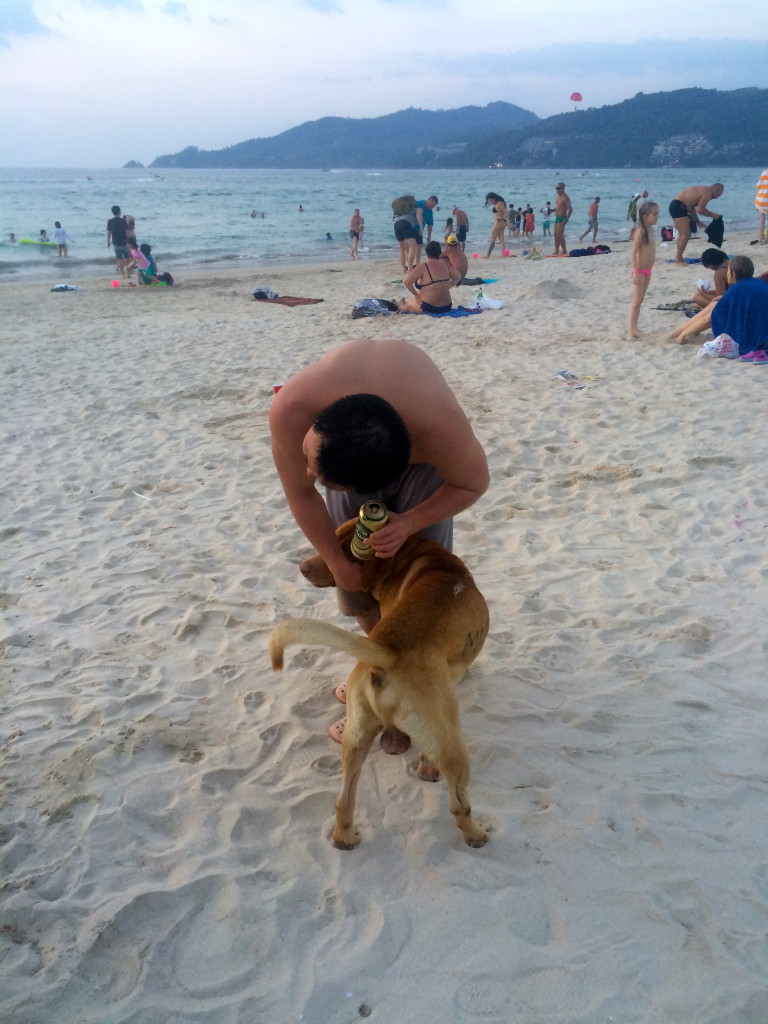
(643, 257)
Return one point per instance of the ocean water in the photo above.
(194, 218)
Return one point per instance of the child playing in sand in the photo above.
(643, 257)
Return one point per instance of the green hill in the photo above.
(684, 128)
(407, 138)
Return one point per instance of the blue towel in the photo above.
(687, 260)
(459, 311)
(742, 314)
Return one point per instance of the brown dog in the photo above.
(433, 623)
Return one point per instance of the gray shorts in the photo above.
(122, 252)
(418, 483)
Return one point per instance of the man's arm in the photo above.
(289, 423)
(701, 210)
(109, 238)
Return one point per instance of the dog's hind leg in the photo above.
(454, 764)
(359, 733)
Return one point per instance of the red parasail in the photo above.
(576, 97)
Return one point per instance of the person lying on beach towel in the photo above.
(289, 300)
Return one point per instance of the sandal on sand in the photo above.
(760, 358)
(336, 731)
(341, 693)
(748, 357)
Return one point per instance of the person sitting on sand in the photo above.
(455, 256)
(430, 283)
(742, 313)
(702, 321)
(716, 260)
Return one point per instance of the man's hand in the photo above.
(387, 541)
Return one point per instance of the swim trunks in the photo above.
(418, 482)
(461, 233)
(427, 307)
(122, 252)
(677, 209)
(559, 220)
(405, 229)
(354, 234)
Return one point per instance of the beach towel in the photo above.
(458, 311)
(289, 300)
(742, 313)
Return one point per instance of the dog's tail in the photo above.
(315, 631)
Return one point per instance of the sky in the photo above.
(95, 83)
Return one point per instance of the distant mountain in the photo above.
(684, 128)
(409, 138)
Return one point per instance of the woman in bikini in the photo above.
(500, 222)
(643, 257)
(430, 283)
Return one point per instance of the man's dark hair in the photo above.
(712, 258)
(116, 210)
(365, 445)
(433, 250)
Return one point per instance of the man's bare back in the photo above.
(440, 433)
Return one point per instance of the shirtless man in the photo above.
(453, 253)
(462, 226)
(691, 205)
(374, 418)
(430, 283)
(592, 220)
(356, 228)
(563, 211)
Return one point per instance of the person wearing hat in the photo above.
(454, 255)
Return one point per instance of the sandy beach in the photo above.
(168, 799)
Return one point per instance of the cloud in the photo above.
(17, 18)
(176, 10)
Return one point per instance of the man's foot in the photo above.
(341, 693)
(393, 741)
(634, 334)
(336, 731)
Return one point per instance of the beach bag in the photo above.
(667, 234)
(403, 205)
(373, 307)
(723, 347)
(601, 249)
(264, 293)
